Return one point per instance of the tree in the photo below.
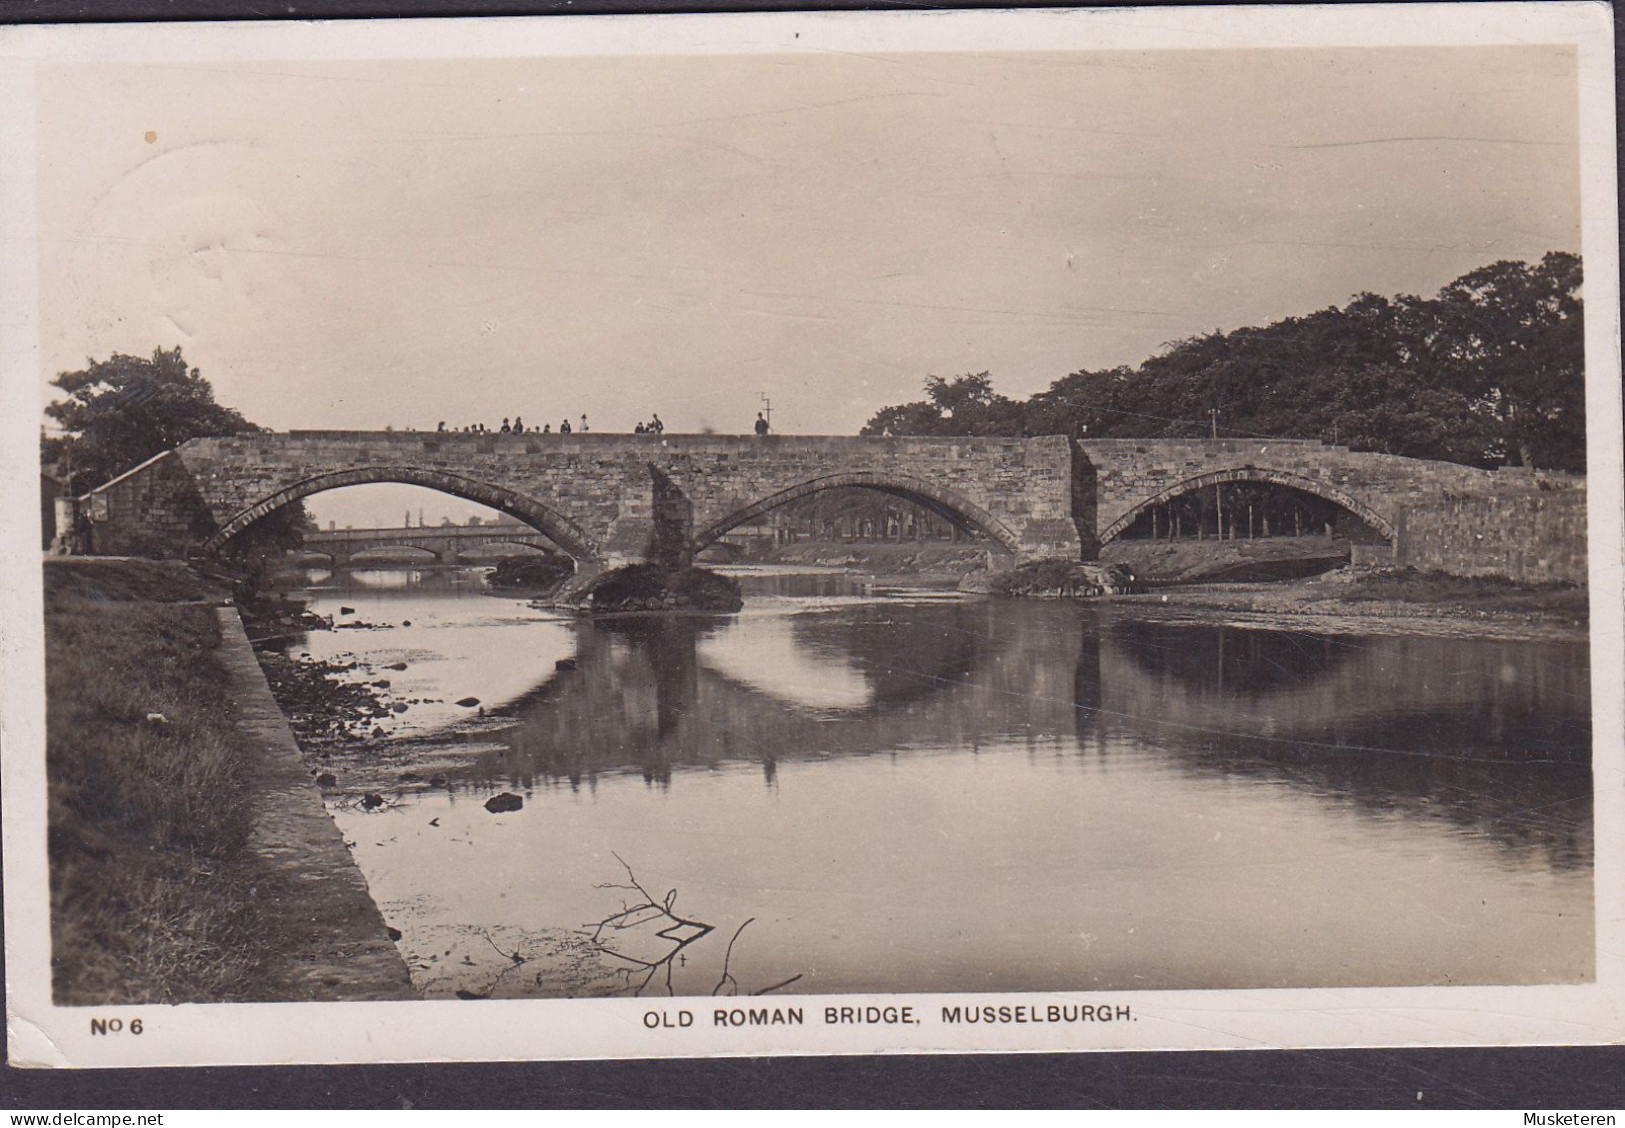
(1490, 371)
(965, 405)
(120, 412)
(1512, 337)
(124, 410)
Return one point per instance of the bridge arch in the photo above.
(506, 546)
(554, 525)
(944, 502)
(1315, 486)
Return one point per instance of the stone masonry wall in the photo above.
(1536, 536)
(1024, 485)
(611, 498)
(154, 510)
(599, 495)
(1128, 472)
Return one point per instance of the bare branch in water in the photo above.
(727, 979)
(514, 956)
(776, 986)
(679, 931)
(647, 912)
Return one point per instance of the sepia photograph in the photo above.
(832, 532)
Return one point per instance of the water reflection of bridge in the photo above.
(1486, 735)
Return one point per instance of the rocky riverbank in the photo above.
(1352, 601)
(938, 559)
(1054, 578)
(539, 575)
(1150, 561)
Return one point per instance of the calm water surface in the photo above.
(864, 787)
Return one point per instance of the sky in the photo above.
(365, 244)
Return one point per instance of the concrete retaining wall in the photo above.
(331, 942)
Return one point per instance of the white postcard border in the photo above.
(40, 1033)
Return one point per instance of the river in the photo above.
(853, 787)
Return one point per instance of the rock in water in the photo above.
(370, 801)
(565, 664)
(649, 587)
(396, 666)
(507, 801)
(469, 702)
(346, 610)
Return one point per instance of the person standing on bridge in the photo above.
(547, 428)
(656, 425)
(583, 422)
(441, 426)
(518, 425)
(507, 428)
(564, 427)
(761, 424)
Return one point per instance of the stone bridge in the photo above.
(603, 498)
(609, 499)
(448, 543)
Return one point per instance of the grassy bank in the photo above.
(1412, 602)
(151, 884)
(1227, 561)
(1487, 594)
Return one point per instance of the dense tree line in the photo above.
(119, 412)
(1489, 372)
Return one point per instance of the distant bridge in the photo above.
(609, 499)
(449, 543)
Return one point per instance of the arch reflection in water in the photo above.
(1033, 796)
(1482, 734)
(1472, 732)
(655, 693)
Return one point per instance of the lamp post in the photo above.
(1218, 497)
